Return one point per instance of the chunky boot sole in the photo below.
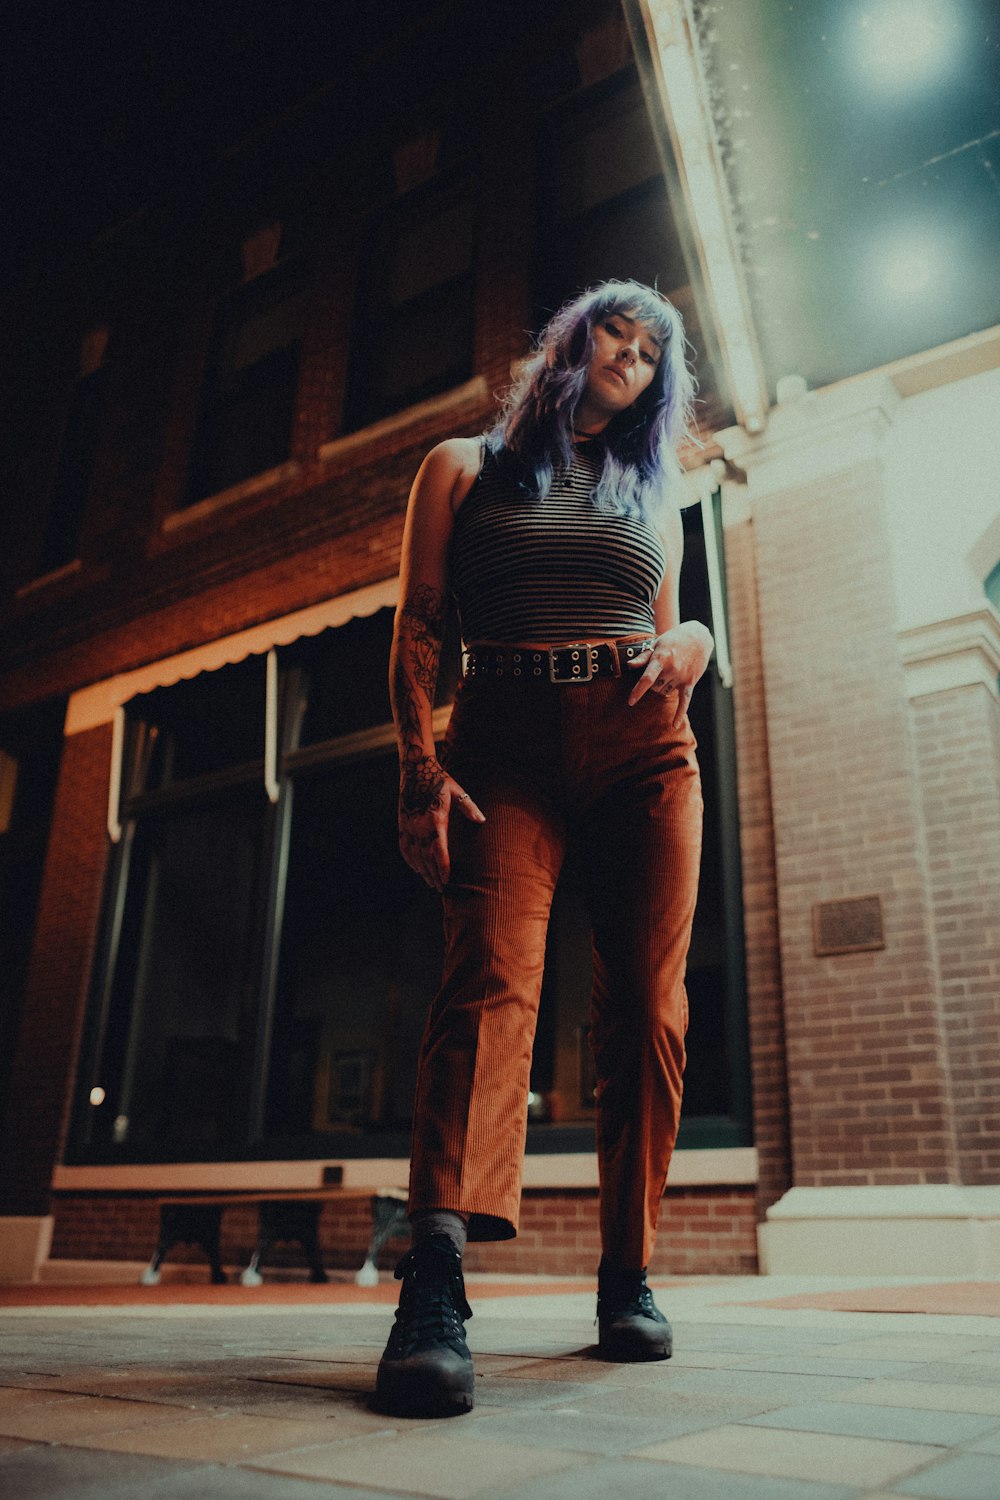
(634, 1345)
(434, 1384)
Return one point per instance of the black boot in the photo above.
(426, 1370)
(630, 1325)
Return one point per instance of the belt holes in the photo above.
(537, 671)
(517, 656)
(517, 671)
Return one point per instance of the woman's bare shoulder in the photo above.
(457, 461)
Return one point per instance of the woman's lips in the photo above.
(614, 370)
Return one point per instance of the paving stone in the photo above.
(69, 1419)
(943, 1428)
(690, 1413)
(46, 1473)
(968, 1476)
(859, 1369)
(633, 1479)
(575, 1371)
(918, 1345)
(925, 1395)
(793, 1455)
(507, 1391)
(775, 1390)
(574, 1429)
(706, 1359)
(959, 1372)
(988, 1444)
(231, 1437)
(431, 1463)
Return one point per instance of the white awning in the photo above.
(99, 703)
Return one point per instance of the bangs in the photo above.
(641, 303)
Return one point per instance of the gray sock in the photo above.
(428, 1221)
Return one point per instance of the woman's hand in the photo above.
(675, 660)
(426, 796)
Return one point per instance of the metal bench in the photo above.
(282, 1218)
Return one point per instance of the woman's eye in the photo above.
(649, 358)
(610, 328)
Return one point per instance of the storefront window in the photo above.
(266, 967)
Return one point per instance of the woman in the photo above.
(560, 537)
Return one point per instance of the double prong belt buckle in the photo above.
(575, 672)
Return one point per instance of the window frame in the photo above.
(222, 391)
(374, 315)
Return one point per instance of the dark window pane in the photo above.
(360, 961)
(426, 349)
(213, 722)
(596, 156)
(431, 250)
(249, 431)
(629, 238)
(68, 497)
(347, 672)
(248, 400)
(413, 323)
(179, 1044)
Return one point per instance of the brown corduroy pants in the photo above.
(547, 762)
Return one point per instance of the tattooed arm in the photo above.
(426, 791)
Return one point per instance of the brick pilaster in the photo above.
(869, 1086)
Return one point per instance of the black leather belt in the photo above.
(576, 661)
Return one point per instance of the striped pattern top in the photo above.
(556, 569)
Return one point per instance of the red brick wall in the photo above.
(867, 1064)
(39, 1099)
(703, 1231)
(958, 747)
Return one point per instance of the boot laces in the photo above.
(626, 1295)
(432, 1302)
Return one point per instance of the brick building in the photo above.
(215, 964)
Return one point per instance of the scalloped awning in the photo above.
(98, 703)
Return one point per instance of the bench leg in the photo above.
(288, 1221)
(188, 1224)
(389, 1221)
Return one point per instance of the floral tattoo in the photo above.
(418, 656)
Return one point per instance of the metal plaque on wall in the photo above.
(853, 925)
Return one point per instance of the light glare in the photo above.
(908, 271)
(902, 42)
(97, 1096)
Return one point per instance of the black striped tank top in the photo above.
(556, 569)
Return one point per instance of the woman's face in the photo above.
(623, 365)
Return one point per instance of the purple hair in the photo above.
(533, 433)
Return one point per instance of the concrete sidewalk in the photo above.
(175, 1402)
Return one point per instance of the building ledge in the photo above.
(472, 392)
(920, 1229)
(45, 580)
(245, 490)
(960, 652)
(732, 1166)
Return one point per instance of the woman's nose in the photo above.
(627, 353)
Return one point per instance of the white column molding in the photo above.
(683, 93)
(961, 652)
(920, 1230)
(821, 433)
